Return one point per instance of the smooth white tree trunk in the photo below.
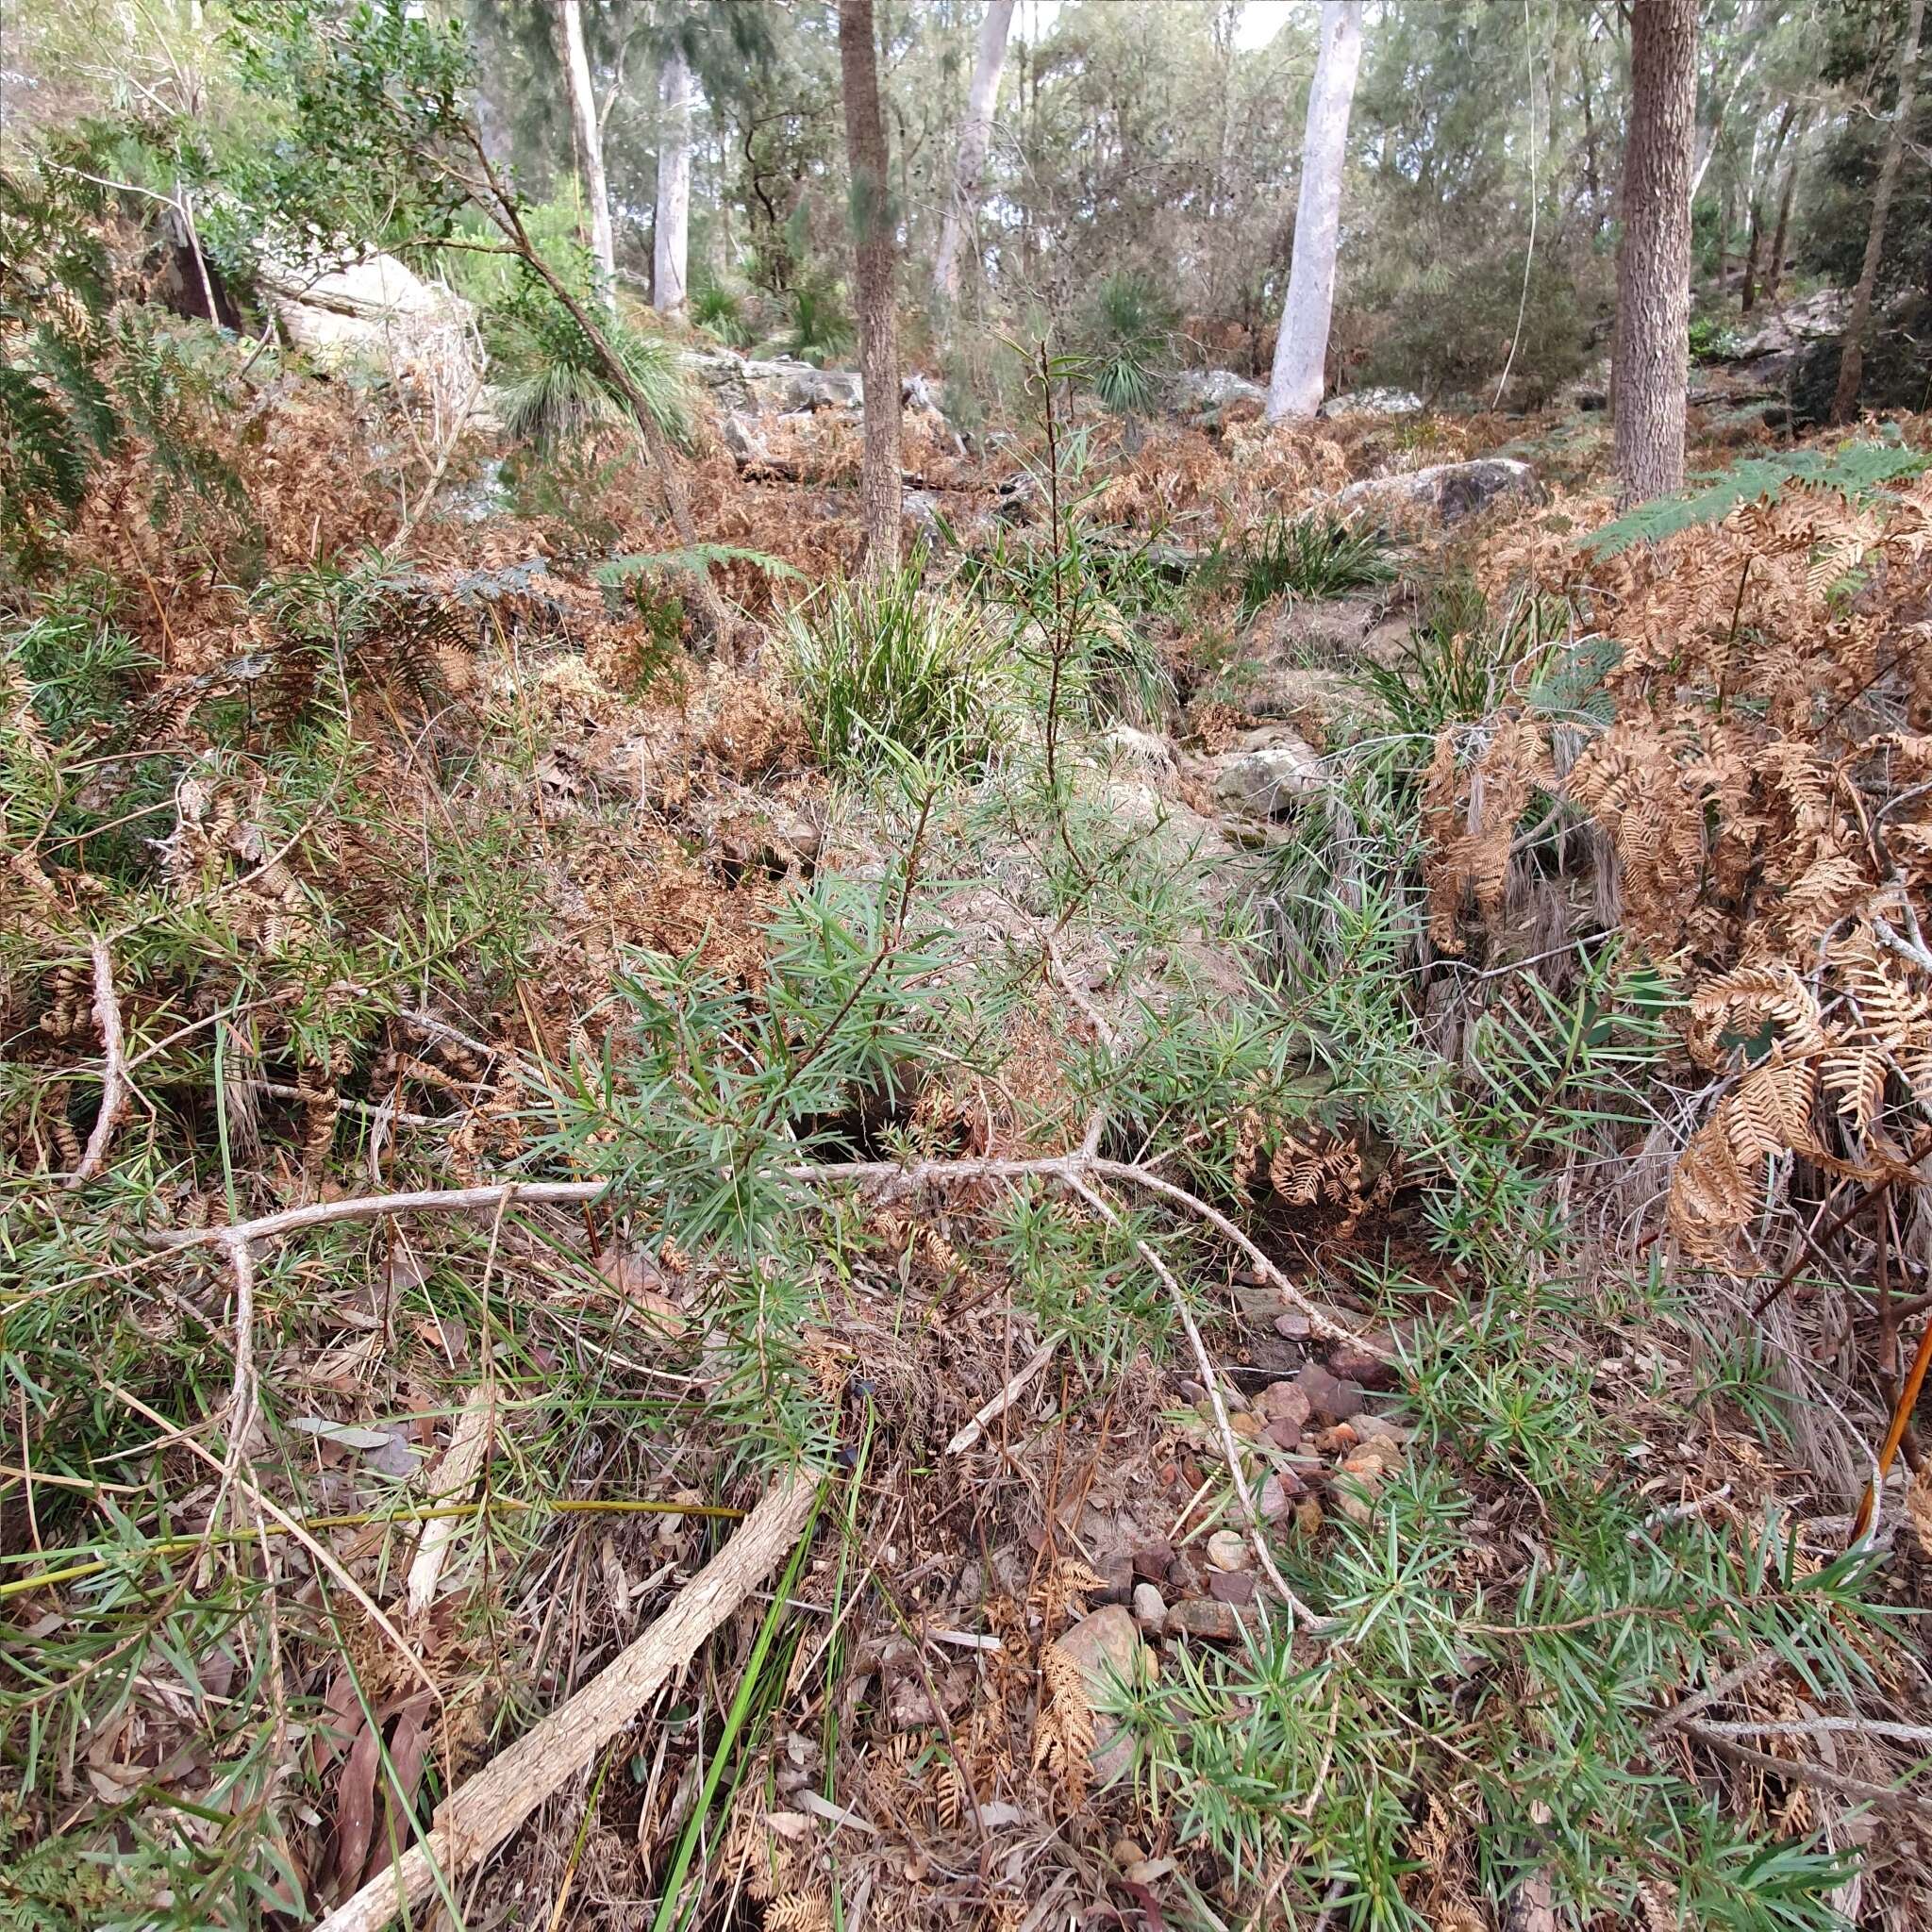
(1301, 350)
(976, 133)
(671, 260)
(583, 115)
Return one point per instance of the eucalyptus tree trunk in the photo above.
(872, 237)
(1774, 267)
(590, 142)
(671, 249)
(1301, 350)
(976, 133)
(1651, 350)
(1851, 368)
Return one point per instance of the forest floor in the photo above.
(1046, 1066)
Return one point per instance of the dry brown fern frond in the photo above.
(1064, 1732)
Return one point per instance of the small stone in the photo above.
(1117, 1574)
(1187, 1575)
(1339, 1441)
(1204, 1617)
(1329, 1399)
(1227, 1551)
(1285, 1402)
(1151, 1559)
(1380, 1430)
(1276, 1496)
(1246, 1424)
(1293, 1327)
(1231, 1586)
(1282, 1435)
(1150, 1609)
(1307, 1516)
(1372, 1368)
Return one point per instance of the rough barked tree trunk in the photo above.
(670, 247)
(872, 237)
(1301, 350)
(590, 142)
(976, 132)
(1651, 349)
(1851, 368)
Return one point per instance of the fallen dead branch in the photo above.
(1079, 1166)
(115, 1091)
(1004, 1398)
(501, 1797)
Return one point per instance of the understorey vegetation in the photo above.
(1205, 1206)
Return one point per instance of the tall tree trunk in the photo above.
(1754, 261)
(1774, 267)
(1650, 355)
(1851, 368)
(1301, 350)
(976, 133)
(670, 246)
(871, 236)
(1592, 178)
(589, 140)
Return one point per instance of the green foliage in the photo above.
(721, 313)
(81, 378)
(559, 390)
(1459, 662)
(1713, 339)
(1127, 338)
(1515, 1714)
(893, 664)
(1857, 470)
(821, 328)
(1316, 555)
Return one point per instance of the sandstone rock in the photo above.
(1371, 402)
(379, 307)
(1448, 491)
(1204, 1617)
(1278, 1494)
(1329, 1399)
(1117, 1574)
(1268, 779)
(1150, 1609)
(1227, 1551)
(1285, 1402)
(1151, 1560)
(1146, 750)
(1108, 1648)
(1231, 1586)
(1351, 1362)
(1207, 393)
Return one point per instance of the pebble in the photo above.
(1151, 1559)
(1150, 1609)
(1285, 1402)
(1231, 1586)
(1204, 1617)
(1227, 1551)
(1329, 1399)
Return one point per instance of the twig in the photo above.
(1802, 1770)
(1821, 1726)
(1686, 1709)
(1901, 1419)
(1004, 1400)
(114, 1088)
(463, 1462)
(1230, 1449)
(501, 1797)
(1063, 1167)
